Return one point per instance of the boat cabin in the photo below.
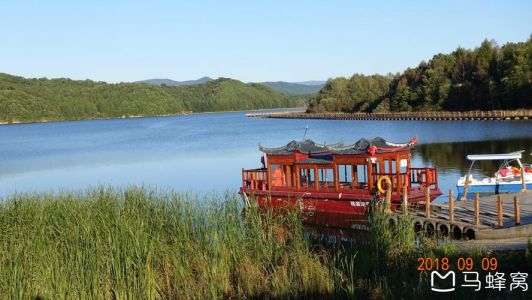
(351, 170)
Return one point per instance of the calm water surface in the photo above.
(205, 152)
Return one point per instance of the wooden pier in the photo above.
(493, 217)
(523, 114)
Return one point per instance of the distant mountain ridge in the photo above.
(312, 82)
(287, 88)
(170, 82)
(293, 88)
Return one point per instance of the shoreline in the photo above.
(4, 123)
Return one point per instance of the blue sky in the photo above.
(247, 40)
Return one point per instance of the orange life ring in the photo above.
(388, 182)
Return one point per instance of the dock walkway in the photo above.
(487, 220)
(522, 114)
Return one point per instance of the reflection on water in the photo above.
(451, 156)
(206, 152)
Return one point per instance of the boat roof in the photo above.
(362, 146)
(502, 156)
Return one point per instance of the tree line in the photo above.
(28, 100)
(485, 78)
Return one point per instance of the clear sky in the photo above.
(247, 40)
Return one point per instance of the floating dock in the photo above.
(493, 217)
(524, 114)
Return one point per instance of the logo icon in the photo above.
(437, 288)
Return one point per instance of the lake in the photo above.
(205, 153)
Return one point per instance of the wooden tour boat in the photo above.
(333, 184)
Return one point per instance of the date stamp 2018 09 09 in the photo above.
(445, 275)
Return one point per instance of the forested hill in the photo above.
(486, 78)
(27, 100)
(359, 93)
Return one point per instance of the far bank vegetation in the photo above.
(486, 78)
(34, 100)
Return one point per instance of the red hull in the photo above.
(342, 210)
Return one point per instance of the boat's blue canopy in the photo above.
(504, 156)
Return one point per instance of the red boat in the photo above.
(333, 184)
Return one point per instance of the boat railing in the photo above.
(394, 178)
(425, 177)
(414, 176)
(255, 179)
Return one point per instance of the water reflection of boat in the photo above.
(333, 184)
(508, 178)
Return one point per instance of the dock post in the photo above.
(389, 200)
(405, 200)
(427, 203)
(517, 211)
(499, 211)
(451, 207)
(477, 209)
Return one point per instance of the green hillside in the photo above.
(228, 94)
(358, 93)
(486, 78)
(27, 100)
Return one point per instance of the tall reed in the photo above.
(375, 266)
(140, 243)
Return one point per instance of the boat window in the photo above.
(403, 164)
(345, 176)
(326, 178)
(361, 177)
(376, 168)
(389, 166)
(277, 176)
(352, 177)
(306, 178)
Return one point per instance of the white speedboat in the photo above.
(508, 178)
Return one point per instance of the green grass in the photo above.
(140, 243)
(137, 243)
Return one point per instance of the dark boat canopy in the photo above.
(377, 145)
